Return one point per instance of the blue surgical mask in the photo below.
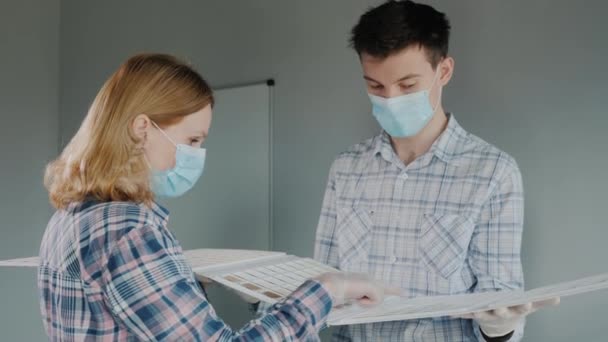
(189, 165)
(406, 115)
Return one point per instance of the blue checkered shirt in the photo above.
(450, 222)
(114, 272)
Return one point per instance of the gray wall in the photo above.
(29, 85)
(528, 78)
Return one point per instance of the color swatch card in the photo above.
(267, 279)
(22, 262)
(204, 258)
(198, 258)
(397, 309)
(272, 276)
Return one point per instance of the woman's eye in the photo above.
(407, 86)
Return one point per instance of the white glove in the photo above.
(502, 321)
(354, 287)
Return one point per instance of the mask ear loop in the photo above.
(440, 89)
(166, 136)
(145, 155)
(163, 132)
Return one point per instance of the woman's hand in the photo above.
(354, 287)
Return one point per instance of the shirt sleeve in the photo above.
(495, 249)
(326, 244)
(149, 288)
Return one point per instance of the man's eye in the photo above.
(407, 86)
(376, 86)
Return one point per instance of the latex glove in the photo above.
(354, 287)
(502, 321)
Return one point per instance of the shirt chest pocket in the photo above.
(354, 238)
(444, 242)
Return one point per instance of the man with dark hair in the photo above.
(424, 206)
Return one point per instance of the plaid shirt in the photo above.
(114, 272)
(450, 222)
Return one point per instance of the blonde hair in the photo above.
(104, 160)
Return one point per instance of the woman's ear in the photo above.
(140, 126)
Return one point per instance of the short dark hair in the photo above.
(396, 25)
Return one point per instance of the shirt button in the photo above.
(393, 259)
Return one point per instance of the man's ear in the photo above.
(446, 70)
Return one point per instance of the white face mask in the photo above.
(189, 166)
(405, 115)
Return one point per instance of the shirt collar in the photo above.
(383, 146)
(451, 143)
(159, 212)
(446, 147)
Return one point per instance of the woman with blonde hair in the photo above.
(110, 269)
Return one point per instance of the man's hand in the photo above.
(502, 321)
